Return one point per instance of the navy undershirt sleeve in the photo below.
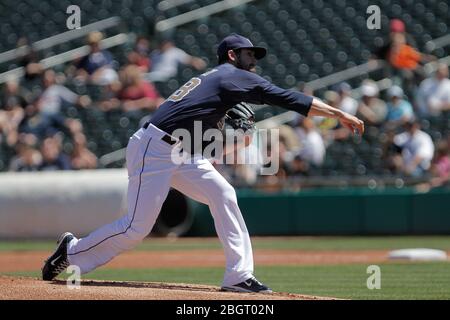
(250, 87)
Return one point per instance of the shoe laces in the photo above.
(256, 281)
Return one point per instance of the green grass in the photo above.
(275, 243)
(398, 280)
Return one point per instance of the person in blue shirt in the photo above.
(400, 110)
(152, 170)
(53, 158)
(96, 67)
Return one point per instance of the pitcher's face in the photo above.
(246, 59)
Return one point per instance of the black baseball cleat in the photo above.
(249, 285)
(58, 261)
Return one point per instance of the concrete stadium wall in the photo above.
(44, 204)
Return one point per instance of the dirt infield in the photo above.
(21, 288)
(31, 288)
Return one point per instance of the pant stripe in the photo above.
(134, 210)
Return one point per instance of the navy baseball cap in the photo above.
(236, 41)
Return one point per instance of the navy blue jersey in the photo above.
(208, 97)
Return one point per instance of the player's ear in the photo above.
(232, 55)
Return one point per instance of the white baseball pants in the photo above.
(151, 173)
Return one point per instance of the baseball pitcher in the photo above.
(152, 171)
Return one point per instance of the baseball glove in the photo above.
(241, 116)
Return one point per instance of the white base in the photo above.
(419, 254)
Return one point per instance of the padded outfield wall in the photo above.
(339, 212)
(42, 205)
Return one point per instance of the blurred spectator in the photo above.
(12, 104)
(240, 159)
(82, 157)
(401, 55)
(312, 146)
(244, 170)
(346, 103)
(137, 94)
(32, 65)
(30, 60)
(275, 156)
(298, 166)
(96, 67)
(417, 149)
(331, 128)
(54, 94)
(327, 124)
(27, 157)
(74, 126)
(249, 164)
(165, 62)
(399, 109)
(396, 26)
(289, 136)
(43, 125)
(440, 168)
(140, 56)
(371, 109)
(13, 96)
(306, 89)
(38, 125)
(108, 99)
(433, 96)
(400, 51)
(52, 156)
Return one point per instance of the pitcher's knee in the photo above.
(136, 235)
(229, 195)
(224, 193)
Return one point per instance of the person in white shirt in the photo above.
(165, 62)
(346, 102)
(417, 150)
(313, 147)
(51, 99)
(371, 108)
(433, 95)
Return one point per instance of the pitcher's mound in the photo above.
(31, 288)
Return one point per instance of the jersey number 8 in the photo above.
(185, 89)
